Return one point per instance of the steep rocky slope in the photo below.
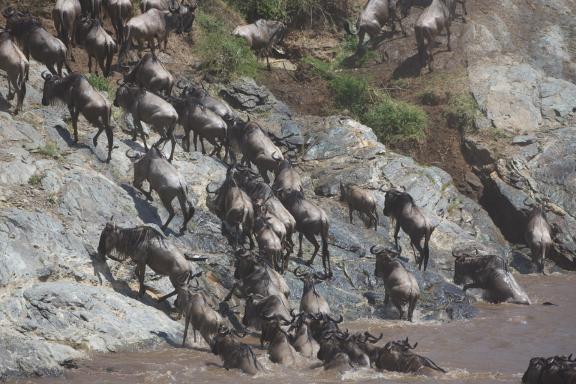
(55, 197)
(521, 69)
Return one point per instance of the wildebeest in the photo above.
(435, 18)
(376, 14)
(302, 340)
(311, 301)
(397, 356)
(401, 207)
(256, 147)
(202, 97)
(36, 41)
(490, 273)
(151, 109)
(234, 354)
(97, 43)
(199, 314)
(262, 35)
(235, 209)
(280, 350)
(359, 200)
(168, 183)
(185, 8)
(203, 123)
(270, 245)
(145, 246)
(259, 308)
(257, 278)
(538, 236)
(65, 14)
(310, 221)
(81, 98)
(276, 215)
(149, 73)
(151, 25)
(119, 11)
(551, 370)
(13, 61)
(401, 286)
(287, 179)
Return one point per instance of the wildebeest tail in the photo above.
(325, 228)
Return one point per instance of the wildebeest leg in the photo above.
(411, 306)
(52, 70)
(300, 237)
(167, 201)
(74, 114)
(311, 238)
(401, 26)
(448, 33)
(386, 298)
(163, 298)
(187, 321)
(138, 125)
(186, 140)
(415, 242)
(350, 213)
(110, 137)
(361, 34)
(141, 272)
(396, 231)
(398, 305)
(375, 216)
(170, 135)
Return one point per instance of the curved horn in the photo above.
(8, 11)
(46, 75)
(121, 82)
(372, 249)
(373, 339)
(136, 155)
(298, 274)
(336, 321)
(276, 158)
(208, 189)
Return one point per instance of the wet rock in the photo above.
(48, 325)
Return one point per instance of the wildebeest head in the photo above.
(187, 13)
(310, 279)
(534, 371)
(108, 239)
(395, 200)
(126, 93)
(20, 23)
(243, 264)
(49, 93)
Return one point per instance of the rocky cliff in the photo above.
(55, 197)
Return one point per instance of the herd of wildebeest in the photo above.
(253, 209)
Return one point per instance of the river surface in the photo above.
(494, 347)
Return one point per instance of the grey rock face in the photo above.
(528, 90)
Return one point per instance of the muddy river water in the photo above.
(494, 347)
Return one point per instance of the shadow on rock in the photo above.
(410, 67)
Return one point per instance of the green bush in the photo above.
(35, 180)
(262, 9)
(99, 83)
(351, 92)
(394, 121)
(461, 111)
(223, 54)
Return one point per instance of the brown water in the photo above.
(494, 347)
